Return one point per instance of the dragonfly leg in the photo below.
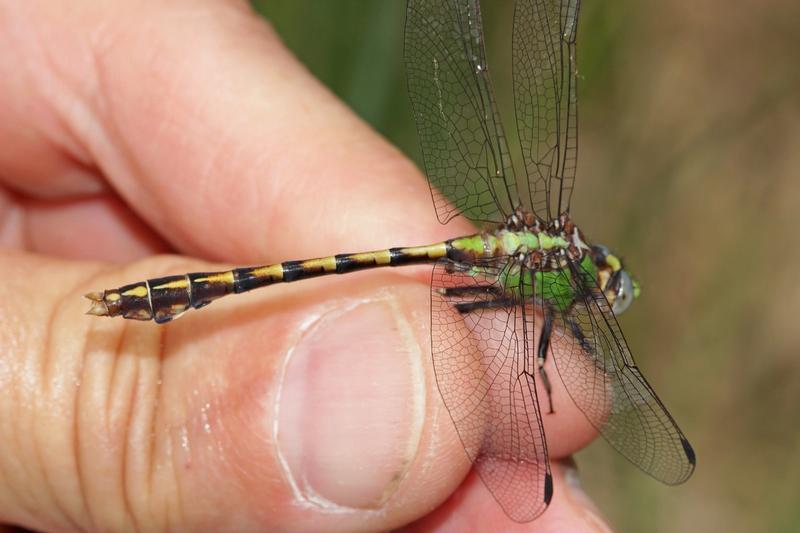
(577, 332)
(544, 347)
(499, 303)
(588, 347)
(467, 290)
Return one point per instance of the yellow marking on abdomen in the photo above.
(431, 251)
(175, 284)
(140, 291)
(327, 264)
(220, 277)
(270, 271)
(380, 257)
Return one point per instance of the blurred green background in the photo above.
(690, 167)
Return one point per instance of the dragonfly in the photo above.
(525, 287)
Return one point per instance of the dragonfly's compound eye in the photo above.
(600, 253)
(624, 292)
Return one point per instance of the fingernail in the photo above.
(585, 507)
(351, 406)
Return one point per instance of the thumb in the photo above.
(308, 406)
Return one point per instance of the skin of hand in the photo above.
(133, 130)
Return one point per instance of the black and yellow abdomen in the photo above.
(162, 299)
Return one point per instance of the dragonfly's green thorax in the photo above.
(556, 288)
(535, 262)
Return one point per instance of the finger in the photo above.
(230, 422)
(227, 148)
(95, 227)
(472, 508)
(308, 406)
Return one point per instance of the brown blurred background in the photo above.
(690, 168)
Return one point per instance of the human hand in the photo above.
(135, 129)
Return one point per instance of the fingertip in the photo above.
(324, 413)
(473, 508)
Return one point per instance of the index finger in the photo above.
(204, 125)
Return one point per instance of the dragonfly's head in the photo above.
(616, 283)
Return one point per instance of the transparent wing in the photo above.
(612, 392)
(463, 146)
(545, 101)
(482, 342)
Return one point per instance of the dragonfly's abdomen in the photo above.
(162, 299)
